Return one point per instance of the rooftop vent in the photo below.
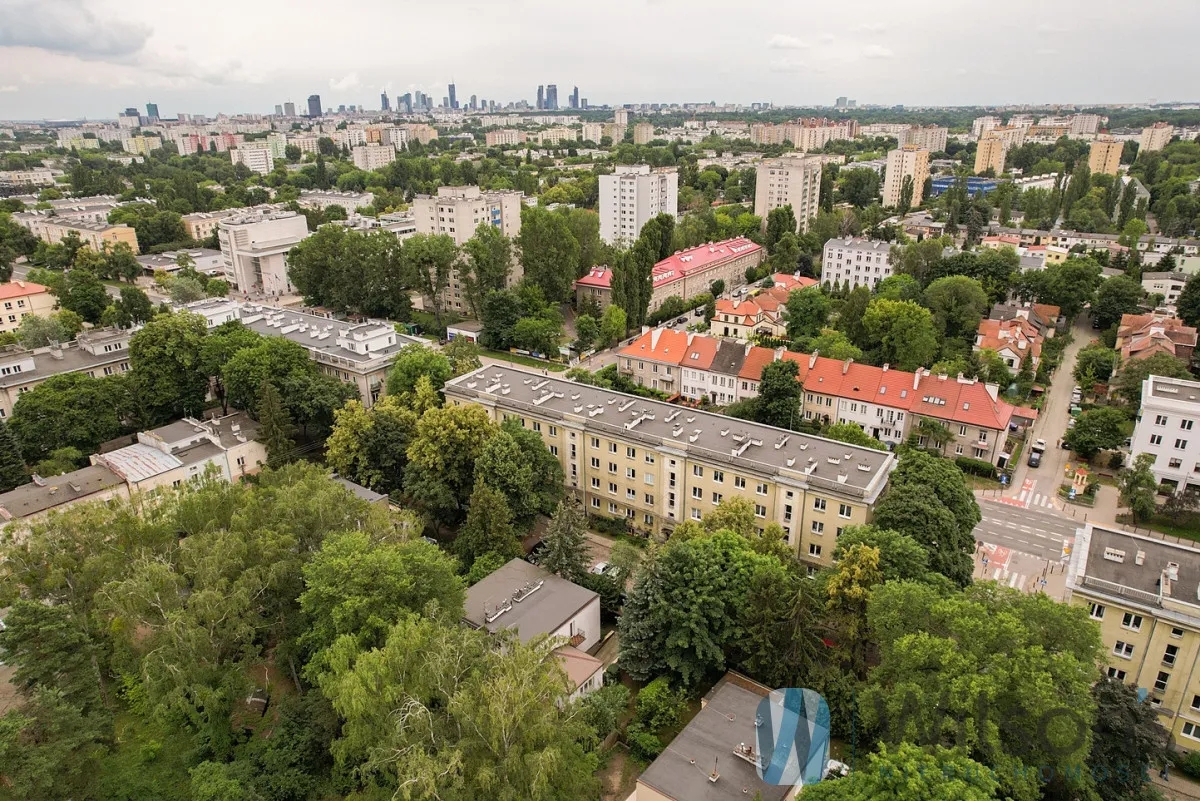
(1114, 555)
(783, 440)
(527, 589)
(1139, 558)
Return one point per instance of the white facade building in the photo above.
(982, 125)
(911, 161)
(793, 180)
(373, 156)
(1169, 428)
(255, 155)
(632, 195)
(862, 262)
(255, 247)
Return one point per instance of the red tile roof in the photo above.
(790, 282)
(20, 289)
(755, 361)
(681, 264)
(660, 345)
(700, 353)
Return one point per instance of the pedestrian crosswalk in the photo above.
(1042, 500)
(1018, 581)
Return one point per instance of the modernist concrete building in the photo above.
(910, 161)
(856, 262)
(793, 180)
(990, 155)
(255, 155)
(1155, 137)
(372, 156)
(1105, 155)
(97, 352)
(633, 194)
(1168, 427)
(93, 234)
(255, 247)
(655, 464)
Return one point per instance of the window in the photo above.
(958, 450)
(554, 431)
(962, 431)
(630, 472)
(697, 471)
(1096, 611)
(1195, 701)
(1156, 439)
(595, 442)
(612, 488)
(695, 513)
(1123, 650)
(844, 510)
(241, 460)
(1170, 655)
(612, 508)
(760, 510)
(595, 463)
(1191, 730)
(595, 503)
(1119, 675)
(648, 478)
(595, 483)
(717, 497)
(631, 453)
(818, 527)
(649, 499)
(1160, 684)
(612, 447)
(814, 549)
(760, 489)
(631, 494)
(1160, 419)
(1132, 622)
(719, 476)
(649, 458)
(1186, 425)
(1180, 444)
(648, 519)
(697, 493)
(739, 482)
(818, 504)
(612, 467)
(1176, 633)
(554, 450)
(537, 426)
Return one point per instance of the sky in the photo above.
(92, 58)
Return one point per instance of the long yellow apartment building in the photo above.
(656, 464)
(1144, 594)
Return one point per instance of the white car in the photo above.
(599, 568)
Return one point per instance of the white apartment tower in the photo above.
(856, 262)
(256, 156)
(1169, 428)
(255, 247)
(373, 156)
(457, 211)
(632, 195)
(982, 125)
(1155, 137)
(910, 160)
(793, 180)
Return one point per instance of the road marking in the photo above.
(996, 575)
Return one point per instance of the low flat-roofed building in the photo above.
(97, 353)
(19, 299)
(93, 234)
(1142, 593)
(209, 262)
(709, 745)
(42, 495)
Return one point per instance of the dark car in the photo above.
(681, 321)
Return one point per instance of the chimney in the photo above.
(56, 351)
(885, 367)
(812, 360)
(846, 365)
(779, 353)
(917, 378)
(654, 335)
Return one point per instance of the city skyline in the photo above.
(84, 58)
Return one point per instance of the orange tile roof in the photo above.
(790, 282)
(20, 289)
(659, 344)
(700, 353)
(755, 361)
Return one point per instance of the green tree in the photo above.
(463, 355)
(50, 651)
(49, 750)
(488, 528)
(779, 395)
(928, 500)
(219, 347)
(166, 360)
(282, 362)
(780, 221)
(835, 345)
(567, 551)
(85, 295)
(587, 332)
(958, 303)
(36, 331)
(899, 287)
(905, 332)
(69, 410)
(906, 772)
(414, 361)
(613, 325)
(859, 187)
(275, 426)
(1127, 740)
(850, 317)
(1128, 385)
(906, 195)
(1139, 488)
(807, 312)
(1117, 296)
(1097, 430)
(853, 433)
(549, 253)
(1095, 364)
(134, 306)
(430, 260)
(12, 466)
(61, 460)
(1187, 305)
(486, 264)
(441, 470)
(901, 558)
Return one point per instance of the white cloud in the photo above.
(877, 51)
(827, 37)
(67, 26)
(10, 88)
(344, 83)
(872, 27)
(781, 41)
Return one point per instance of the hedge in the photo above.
(976, 467)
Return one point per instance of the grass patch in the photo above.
(1080, 499)
(146, 763)
(1187, 528)
(527, 361)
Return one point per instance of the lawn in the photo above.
(527, 361)
(1187, 528)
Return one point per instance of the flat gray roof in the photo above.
(1146, 577)
(1176, 389)
(74, 360)
(29, 499)
(543, 612)
(726, 721)
(368, 495)
(817, 461)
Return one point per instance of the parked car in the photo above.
(1036, 451)
(599, 568)
(681, 320)
(700, 312)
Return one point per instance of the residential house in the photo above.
(1013, 340)
(97, 352)
(1168, 428)
(764, 314)
(1167, 284)
(1044, 317)
(19, 299)
(1143, 335)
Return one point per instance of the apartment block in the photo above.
(990, 155)
(654, 464)
(421, 132)
(804, 134)
(457, 211)
(981, 125)
(687, 273)
(1105, 155)
(1167, 284)
(1141, 592)
(643, 132)
(93, 234)
(910, 161)
(1086, 124)
(97, 352)
(201, 225)
(1168, 427)
(505, 136)
(19, 299)
(633, 194)
(255, 155)
(855, 262)
(1155, 137)
(930, 137)
(793, 180)
(255, 245)
(373, 156)
(555, 135)
(595, 131)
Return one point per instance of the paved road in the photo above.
(21, 272)
(1038, 531)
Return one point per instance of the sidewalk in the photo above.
(1020, 571)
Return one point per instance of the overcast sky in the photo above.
(72, 58)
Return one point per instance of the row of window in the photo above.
(1180, 444)
(1161, 420)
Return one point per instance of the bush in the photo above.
(602, 709)
(612, 526)
(658, 706)
(644, 745)
(608, 590)
(976, 467)
(1189, 765)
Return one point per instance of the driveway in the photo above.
(1051, 425)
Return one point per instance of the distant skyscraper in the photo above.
(384, 103)
(314, 105)
(840, 102)
(474, 101)
(278, 110)
(152, 111)
(342, 108)
(445, 101)
(583, 102)
(453, 97)
(404, 103)
(552, 97)
(541, 100)
(131, 112)
(289, 109)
